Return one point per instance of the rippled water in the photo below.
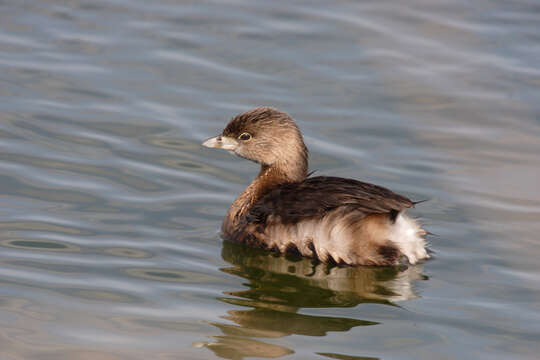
(110, 208)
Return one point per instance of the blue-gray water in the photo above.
(110, 208)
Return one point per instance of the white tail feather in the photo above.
(409, 237)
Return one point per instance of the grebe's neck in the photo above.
(269, 177)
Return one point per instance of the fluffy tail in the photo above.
(409, 238)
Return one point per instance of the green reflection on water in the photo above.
(169, 275)
(43, 245)
(346, 357)
(279, 287)
(38, 244)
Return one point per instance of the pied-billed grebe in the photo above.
(328, 218)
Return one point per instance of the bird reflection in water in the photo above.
(279, 286)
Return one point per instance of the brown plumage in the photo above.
(328, 218)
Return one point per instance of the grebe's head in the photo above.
(266, 136)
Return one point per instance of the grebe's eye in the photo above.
(244, 136)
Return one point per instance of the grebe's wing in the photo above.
(316, 196)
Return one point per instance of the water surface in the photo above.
(110, 208)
